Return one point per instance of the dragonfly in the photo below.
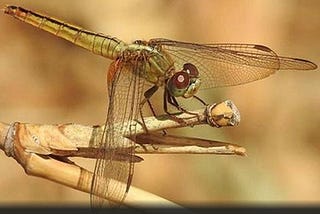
(180, 68)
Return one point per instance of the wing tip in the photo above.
(308, 65)
(288, 63)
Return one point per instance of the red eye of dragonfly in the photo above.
(178, 83)
(180, 80)
(191, 69)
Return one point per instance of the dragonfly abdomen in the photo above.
(100, 44)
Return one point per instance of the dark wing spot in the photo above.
(262, 48)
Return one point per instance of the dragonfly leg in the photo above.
(168, 99)
(154, 114)
(173, 101)
(200, 100)
(177, 105)
(147, 95)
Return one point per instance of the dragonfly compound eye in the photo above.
(191, 69)
(178, 83)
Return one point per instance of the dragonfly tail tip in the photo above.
(9, 9)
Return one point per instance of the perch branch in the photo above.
(40, 149)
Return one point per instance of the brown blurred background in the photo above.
(44, 79)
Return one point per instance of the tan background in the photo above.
(47, 80)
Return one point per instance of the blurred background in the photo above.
(44, 79)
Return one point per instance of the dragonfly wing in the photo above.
(285, 63)
(229, 64)
(112, 177)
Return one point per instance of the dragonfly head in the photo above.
(184, 83)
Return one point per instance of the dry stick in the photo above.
(32, 144)
(66, 173)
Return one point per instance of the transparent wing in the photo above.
(112, 178)
(229, 64)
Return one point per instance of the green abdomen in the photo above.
(97, 43)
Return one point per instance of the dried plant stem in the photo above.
(41, 149)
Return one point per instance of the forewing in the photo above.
(112, 177)
(229, 64)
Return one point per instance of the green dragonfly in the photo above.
(180, 68)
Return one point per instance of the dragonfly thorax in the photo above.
(154, 65)
(184, 83)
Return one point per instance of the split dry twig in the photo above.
(42, 149)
